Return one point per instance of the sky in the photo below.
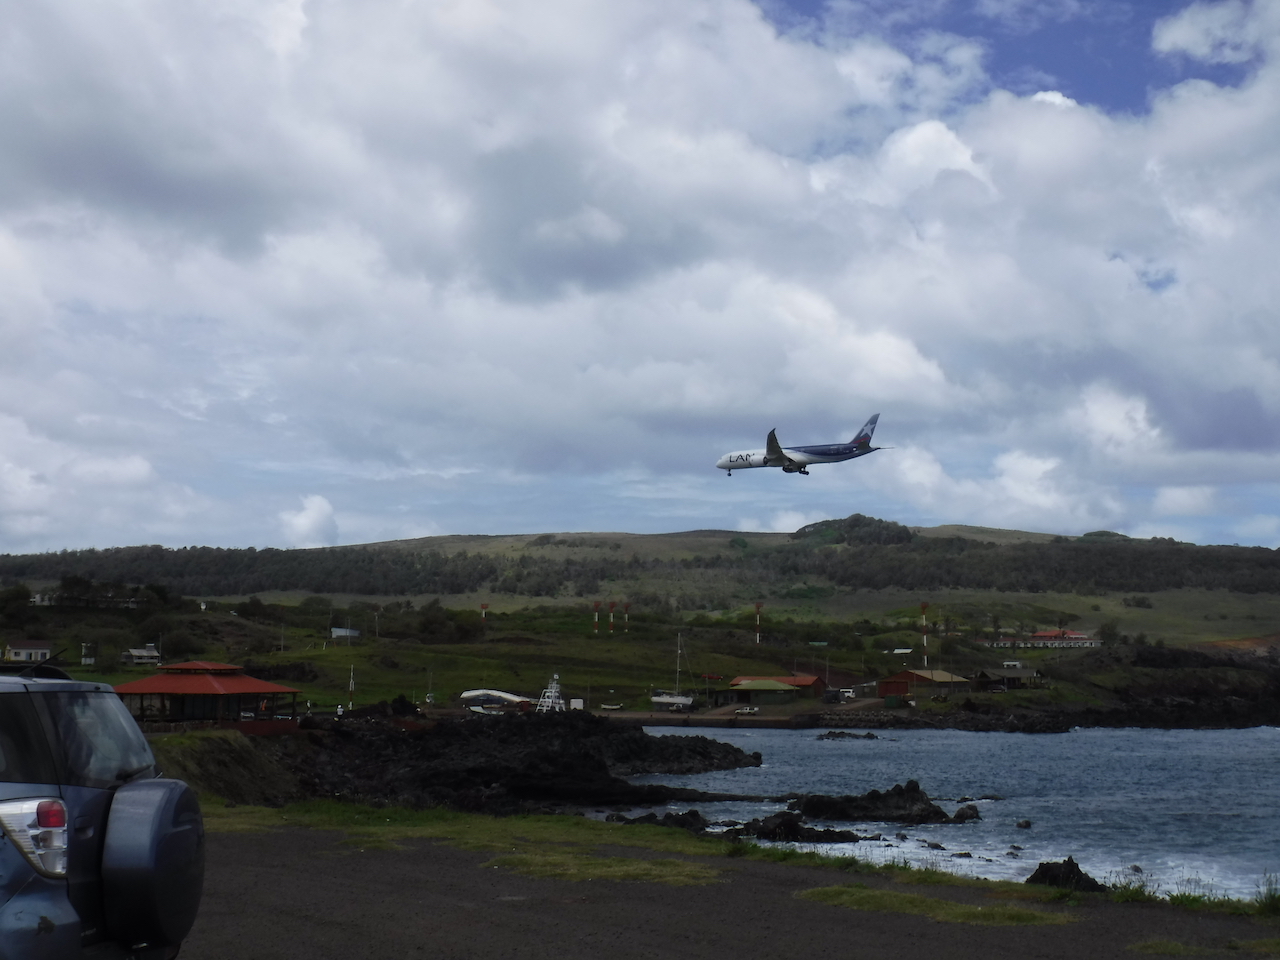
(311, 272)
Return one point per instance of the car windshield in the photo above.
(103, 745)
(24, 752)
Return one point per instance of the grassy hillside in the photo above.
(837, 596)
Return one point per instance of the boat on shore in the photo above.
(674, 701)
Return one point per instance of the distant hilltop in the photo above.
(693, 570)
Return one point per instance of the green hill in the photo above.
(836, 596)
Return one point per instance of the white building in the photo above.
(28, 651)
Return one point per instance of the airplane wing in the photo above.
(773, 455)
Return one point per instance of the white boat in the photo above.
(663, 699)
(493, 701)
(672, 701)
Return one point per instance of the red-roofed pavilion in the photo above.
(200, 690)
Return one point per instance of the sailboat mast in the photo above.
(679, 640)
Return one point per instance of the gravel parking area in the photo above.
(294, 893)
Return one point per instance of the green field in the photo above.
(819, 614)
(521, 649)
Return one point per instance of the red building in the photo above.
(908, 682)
(200, 690)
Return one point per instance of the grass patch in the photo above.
(861, 897)
(1267, 902)
(1133, 891)
(566, 846)
(1269, 947)
(1209, 903)
(469, 830)
(567, 865)
(1167, 948)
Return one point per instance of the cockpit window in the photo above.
(24, 752)
(101, 742)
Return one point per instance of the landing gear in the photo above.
(803, 473)
(728, 473)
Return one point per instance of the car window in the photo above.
(24, 752)
(101, 742)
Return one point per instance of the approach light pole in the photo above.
(758, 608)
(595, 624)
(626, 620)
(612, 604)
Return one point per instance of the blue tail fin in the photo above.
(863, 439)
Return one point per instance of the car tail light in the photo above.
(38, 828)
(51, 814)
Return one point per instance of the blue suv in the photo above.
(100, 857)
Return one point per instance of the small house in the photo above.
(762, 692)
(28, 651)
(1008, 678)
(147, 656)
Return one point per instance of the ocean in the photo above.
(1194, 810)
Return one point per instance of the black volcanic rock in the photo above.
(901, 804)
(789, 827)
(502, 764)
(1067, 875)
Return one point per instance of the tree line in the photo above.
(855, 553)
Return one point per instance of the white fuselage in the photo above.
(796, 458)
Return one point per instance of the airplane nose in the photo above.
(722, 463)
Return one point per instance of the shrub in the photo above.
(1267, 901)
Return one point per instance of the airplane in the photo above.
(796, 459)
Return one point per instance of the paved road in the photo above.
(295, 893)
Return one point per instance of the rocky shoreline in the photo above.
(500, 765)
(903, 804)
(1161, 713)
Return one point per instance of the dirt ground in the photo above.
(299, 893)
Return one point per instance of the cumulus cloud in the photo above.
(313, 525)
(512, 266)
(784, 521)
(1227, 32)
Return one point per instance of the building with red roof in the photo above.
(805, 684)
(205, 691)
